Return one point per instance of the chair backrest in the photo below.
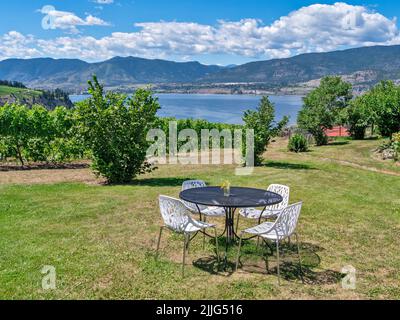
(282, 190)
(191, 184)
(286, 222)
(174, 213)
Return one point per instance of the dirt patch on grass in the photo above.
(43, 166)
(48, 176)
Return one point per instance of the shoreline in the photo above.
(201, 93)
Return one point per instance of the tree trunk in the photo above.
(19, 155)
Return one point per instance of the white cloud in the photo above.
(103, 1)
(15, 45)
(317, 28)
(55, 19)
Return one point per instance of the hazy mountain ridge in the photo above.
(384, 61)
(361, 66)
(67, 74)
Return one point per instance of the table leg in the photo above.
(230, 235)
(230, 232)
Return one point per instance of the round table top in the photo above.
(239, 197)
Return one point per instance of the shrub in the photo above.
(115, 127)
(298, 143)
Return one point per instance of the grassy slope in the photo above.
(102, 238)
(18, 92)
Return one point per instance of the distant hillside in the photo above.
(74, 74)
(362, 66)
(370, 63)
(29, 97)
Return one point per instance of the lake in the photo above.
(219, 108)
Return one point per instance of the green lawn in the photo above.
(102, 239)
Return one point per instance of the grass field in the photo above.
(18, 92)
(102, 239)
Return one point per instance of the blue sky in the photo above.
(212, 32)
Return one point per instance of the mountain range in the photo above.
(361, 66)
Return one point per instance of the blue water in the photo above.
(219, 108)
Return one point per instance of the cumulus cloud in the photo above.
(55, 19)
(314, 28)
(16, 45)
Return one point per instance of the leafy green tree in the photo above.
(324, 107)
(360, 115)
(384, 101)
(262, 121)
(380, 106)
(115, 127)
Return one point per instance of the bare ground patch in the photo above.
(48, 176)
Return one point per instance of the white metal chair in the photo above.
(271, 211)
(204, 210)
(283, 228)
(177, 219)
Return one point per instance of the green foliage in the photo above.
(262, 121)
(115, 127)
(360, 115)
(38, 134)
(58, 95)
(380, 106)
(384, 102)
(396, 137)
(324, 107)
(15, 129)
(195, 124)
(298, 143)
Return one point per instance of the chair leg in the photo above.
(188, 245)
(238, 255)
(216, 244)
(204, 234)
(258, 244)
(266, 257)
(278, 266)
(298, 252)
(185, 242)
(159, 240)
